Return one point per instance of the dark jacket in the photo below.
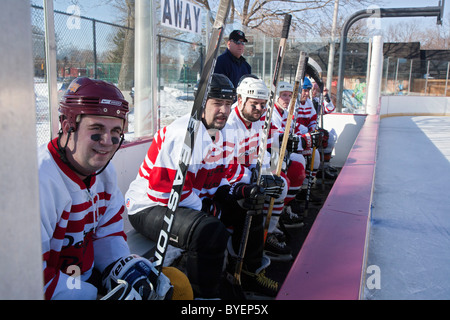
(232, 67)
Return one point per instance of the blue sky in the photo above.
(95, 9)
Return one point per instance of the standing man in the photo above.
(83, 241)
(231, 63)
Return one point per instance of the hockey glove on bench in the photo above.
(135, 278)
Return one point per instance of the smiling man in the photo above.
(81, 204)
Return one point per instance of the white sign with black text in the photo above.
(182, 15)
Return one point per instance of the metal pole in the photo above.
(410, 73)
(387, 75)
(271, 56)
(51, 69)
(396, 77)
(21, 276)
(94, 37)
(332, 47)
(427, 75)
(376, 71)
(446, 79)
(381, 13)
(264, 57)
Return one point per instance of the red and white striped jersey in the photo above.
(80, 225)
(279, 118)
(306, 116)
(246, 141)
(206, 172)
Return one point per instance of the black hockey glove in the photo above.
(325, 137)
(211, 207)
(254, 201)
(292, 143)
(273, 185)
(253, 196)
(311, 139)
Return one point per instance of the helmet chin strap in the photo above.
(95, 137)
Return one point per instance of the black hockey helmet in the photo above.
(220, 88)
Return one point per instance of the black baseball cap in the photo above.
(237, 35)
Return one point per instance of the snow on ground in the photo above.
(174, 104)
(410, 226)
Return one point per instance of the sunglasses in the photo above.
(238, 42)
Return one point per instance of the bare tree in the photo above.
(267, 15)
(431, 37)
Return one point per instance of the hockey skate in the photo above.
(292, 216)
(276, 248)
(257, 285)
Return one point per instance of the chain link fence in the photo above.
(93, 48)
(84, 47)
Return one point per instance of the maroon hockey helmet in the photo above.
(92, 97)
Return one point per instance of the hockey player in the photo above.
(295, 170)
(306, 126)
(329, 137)
(208, 204)
(247, 121)
(81, 205)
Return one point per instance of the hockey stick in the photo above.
(300, 73)
(192, 128)
(313, 71)
(310, 179)
(263, 142)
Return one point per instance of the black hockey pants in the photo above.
(203, 237)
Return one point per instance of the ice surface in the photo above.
(410, 226)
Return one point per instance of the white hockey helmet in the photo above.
(250, 87)
(284, 86)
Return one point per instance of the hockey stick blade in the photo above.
(192, 128)
(313, 73)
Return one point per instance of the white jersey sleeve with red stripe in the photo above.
(206, 172)
(328, 107)
(80, 225)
